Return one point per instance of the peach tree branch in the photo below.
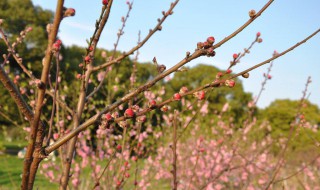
(26, 184)
(119, 34)
(196, 54)
(100, 24)
(151, 32)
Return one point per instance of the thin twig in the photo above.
(104, 170)
(148, 85)
(297, 172)
(243, 26)
(292, 130)
(18, 59)
(266, 78)
(151, 32)
(83, 91)
(61, 103)
(134, 69)
(54, 99)
(246, 51)
(119, 34)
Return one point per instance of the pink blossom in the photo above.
(55, 136)
(100, 75)
(225, 107)
(204, 108)
(75, 182)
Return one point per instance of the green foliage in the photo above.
(281, 114)
(11, 171)
(2, 148)
(19, 15)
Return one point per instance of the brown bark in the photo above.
(41, 93)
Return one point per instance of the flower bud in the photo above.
(230, 83)
(211, 52)
(211, 40)
(152, 104)
(164, 108)
(177, 96)
(235, 56)
(183, 90)
(252, 13)
(69, 12)
(129, 113)
(87, 59)
(108, 117)
(161, 68)
(219, 75)
(105, 2)
(142, 119)
(200, 45)
(201, 95)
(258, 34)
(245, 75)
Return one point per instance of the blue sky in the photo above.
(282, 25)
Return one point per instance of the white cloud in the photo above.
(80, 26)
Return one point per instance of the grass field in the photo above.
(10, 175)
(11, 169)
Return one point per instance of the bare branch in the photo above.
(41, 93)
(151, 32)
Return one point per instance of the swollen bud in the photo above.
(177, 96)
(206, 45)
(164, 108)
(219, 75)
(108, 117)
(258, 34)
(152, 104)
(161, 68)
(142, 119)
(252, 13)
(105, 2)
(211, 40)
(56, 46)
(230, 83)
(69, 12)
(87, 59)
(129, 113)
(200, 95)
(200, 45)
(235, 56)
(78, 76)
(245, 75)
(183, 90)
(211, 52)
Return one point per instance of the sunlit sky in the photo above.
(282, 25)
